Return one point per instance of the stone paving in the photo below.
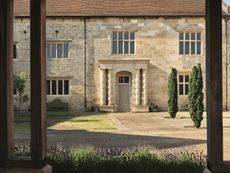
(134, 129)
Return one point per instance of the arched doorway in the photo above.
(124, 91)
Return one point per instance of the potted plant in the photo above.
(153, 107)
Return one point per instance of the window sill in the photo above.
(191, 55)
(58, 95)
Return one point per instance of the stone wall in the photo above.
(157, 40)
(72, 68)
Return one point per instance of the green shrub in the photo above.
(195, 96)
(172, 94)
(137, 160)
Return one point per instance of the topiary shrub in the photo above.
(172, 94)
(195, 96)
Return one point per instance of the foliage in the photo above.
(153, 107)
(172, 93)
(135, 160)
(195, 96)
(19, 86)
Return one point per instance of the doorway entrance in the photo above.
(123, 92)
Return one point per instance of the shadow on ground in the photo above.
(110, 140)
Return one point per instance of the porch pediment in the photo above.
(123, 64)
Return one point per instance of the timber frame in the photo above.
(216, 163)
(38, 86)
(38, 89)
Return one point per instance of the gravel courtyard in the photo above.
(134, 129)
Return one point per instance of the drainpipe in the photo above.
(226, 64)
(85, 62)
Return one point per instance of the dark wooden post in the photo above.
(6, 79)
(38, 81)
(214, 81)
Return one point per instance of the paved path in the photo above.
(134, 129)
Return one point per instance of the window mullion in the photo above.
(50, 87)
(123, 42)
(184, 44)
(56, 50)
(62, 53)
(117, 43)
(190, 43)
(63, 87)
(50, 52)
(196, 42)
(128, 42)
(56, 87)
(184, 84)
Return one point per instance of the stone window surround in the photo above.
(57, 95)
(116, 66)
(196, 41)
(63, 42)
(15, 51)
(182, 83)
(123, 40)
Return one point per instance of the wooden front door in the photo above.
(123, 93)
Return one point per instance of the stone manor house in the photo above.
(117, 55)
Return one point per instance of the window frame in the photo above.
(57, 87)
(184, 83)
(56, 43)
(15, 47)
(123, 40)
(184, 40)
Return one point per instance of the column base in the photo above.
(140, 108)
(46, 169)
(107, 108)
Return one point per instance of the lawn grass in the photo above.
(67, 120)
(87, 122)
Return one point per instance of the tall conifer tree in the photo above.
(172, 94)
(196, 96)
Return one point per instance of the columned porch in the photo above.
(109, 92)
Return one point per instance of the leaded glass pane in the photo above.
(66, 50)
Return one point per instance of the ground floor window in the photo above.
(183, 83)
(57, 87)
(15, 51)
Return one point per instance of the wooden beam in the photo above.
(214, 81)
(38, 81)
(6, 79)
(223, 168)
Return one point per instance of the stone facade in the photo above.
(92, 69)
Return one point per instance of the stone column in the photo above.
(112, 82)
(145, 87)
(103, 89)
(137, 77)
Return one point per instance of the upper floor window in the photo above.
(183, 84)
(57, 87)
(15, 56)
(190, 43)
(57, 50)
(123, 43)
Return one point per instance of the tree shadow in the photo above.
(69, 138)
(55, 117)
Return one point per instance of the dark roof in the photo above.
(114, 8)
